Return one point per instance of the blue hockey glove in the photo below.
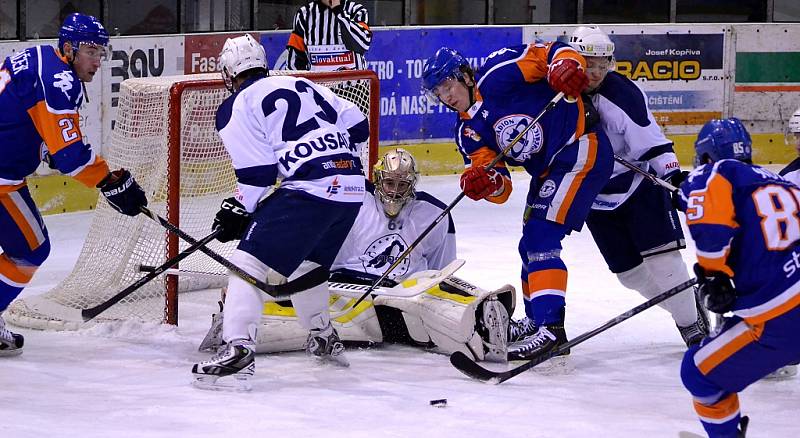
(123, 192)
(715, 290)
(232, 220)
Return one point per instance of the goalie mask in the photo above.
(395, 176)
(239, 55)
(594, 45)
(792, 137)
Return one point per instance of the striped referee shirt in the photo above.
(318, 25)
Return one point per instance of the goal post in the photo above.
(165, 134)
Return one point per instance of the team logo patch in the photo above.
(333, 188)
(470, 133)
(548, 188)
(383, 252)
(63, 81)
(509, 127)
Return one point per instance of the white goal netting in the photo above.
(150, 128)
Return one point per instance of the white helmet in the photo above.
(591, 41)
(395, 176)
(239, 55)
(793, 129)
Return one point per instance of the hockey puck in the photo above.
(439, 403)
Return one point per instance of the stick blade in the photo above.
(471, 368)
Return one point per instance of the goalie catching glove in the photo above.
(567, 75)
(123, 192)
(715, 290)
(232, 220)
(479, 183)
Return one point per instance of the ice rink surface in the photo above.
(132, 379)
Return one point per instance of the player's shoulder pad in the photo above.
(794, 165)
(502, 55)
(427, 197)
(224, 111)
(61, 87)
(625, 94)
(430, 199)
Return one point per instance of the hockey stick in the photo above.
(406, 289)
(90, 313)
(550, 105)
(654, 179)
(469, 367)
(299, 284)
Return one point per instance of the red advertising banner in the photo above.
(201, 52)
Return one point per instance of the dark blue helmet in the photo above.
(81, 28)
(445, 63)
(723, 139)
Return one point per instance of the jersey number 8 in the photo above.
(778, 208)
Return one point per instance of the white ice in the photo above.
(132, 380)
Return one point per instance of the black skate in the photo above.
(10, 343)
(493, 330)
(546, 339)
(236, 359)
(324, 344)
(520, 329)
(694, 333)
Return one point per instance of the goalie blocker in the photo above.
(451, 316)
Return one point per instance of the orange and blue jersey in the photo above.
(745, 222)
(568, 161)
(510, 92)
(40, 95)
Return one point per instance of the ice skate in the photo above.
(545, 339)
(230, 369)
(520, 329)
(694, 333)
(324, 344)
(493, 329)
(10, 343)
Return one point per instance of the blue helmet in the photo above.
(81, 28)
(445, 63)
(723, 139)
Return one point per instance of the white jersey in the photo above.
(792, 172)
(376, 240)
(635, 136)
(288, 127)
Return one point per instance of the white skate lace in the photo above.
(517, 328)
(537, 340)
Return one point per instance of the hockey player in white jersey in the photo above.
(634, 223)
(453, 316)
(792, 171)
(288, 128)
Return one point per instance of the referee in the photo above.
(329, 35)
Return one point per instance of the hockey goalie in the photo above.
(451, 316)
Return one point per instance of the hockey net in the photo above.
(164, 133)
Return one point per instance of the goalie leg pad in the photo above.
(280, 329)
(450, 315)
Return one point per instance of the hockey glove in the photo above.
(715, 290)
(478, 183)
(232, 220)
(676, 179)
(568, 76)
(123, 192)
